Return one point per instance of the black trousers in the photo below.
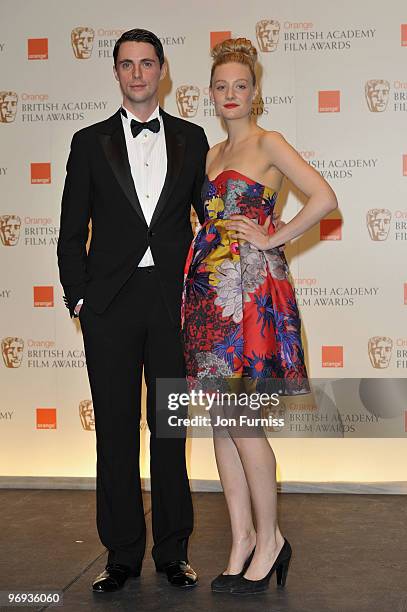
(136, 332)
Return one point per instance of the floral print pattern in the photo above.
(239, 314)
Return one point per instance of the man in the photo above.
(145, 168)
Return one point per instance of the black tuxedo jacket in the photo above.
(99, 186)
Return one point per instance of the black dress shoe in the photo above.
(179, 574)
(224, 582)
(113, 578)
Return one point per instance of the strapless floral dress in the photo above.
(239, 314)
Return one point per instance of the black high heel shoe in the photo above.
(224, 582)
(244, 586)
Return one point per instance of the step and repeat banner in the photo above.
(334, 83)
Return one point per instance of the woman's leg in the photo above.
(237, 496)
(259, 464)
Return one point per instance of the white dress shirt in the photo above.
(148, 163)
(147, 154)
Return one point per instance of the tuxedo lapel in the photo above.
(175, 144)
(114, 145)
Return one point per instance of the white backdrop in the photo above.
(334, 82)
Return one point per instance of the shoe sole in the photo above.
(251, 592)
(220, 590)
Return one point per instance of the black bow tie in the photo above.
(137, 126)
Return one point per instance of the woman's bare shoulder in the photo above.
(213, 150)
(274, 144)
(212, 153)
(272, 138)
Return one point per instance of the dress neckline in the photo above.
(230, 170)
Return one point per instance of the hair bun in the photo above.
(238, 50)
(235, 45)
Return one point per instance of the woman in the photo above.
(240, 317)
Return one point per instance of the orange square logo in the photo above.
(46, 418)
(332, 356)
(404, 165)
(218, 37)
(37, 48)
(405, 294)
(404, 34)
(43, 297)
(330, 229)
(40, 174)
(329, 101)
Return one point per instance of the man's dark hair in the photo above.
(140, 35)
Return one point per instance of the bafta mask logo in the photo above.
(267, 32)
(12, 351)
(377, 95)
(10, 229)
(194, 221)
(380, 348)
(378, 223)
(82, 42)
(187, 97)
(8, 106)
(87, 415)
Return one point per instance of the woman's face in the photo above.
(232, 90)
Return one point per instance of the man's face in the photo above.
(10, 231)
(138, 72)
(8, 108)
(268, 34)
(187, 101)
(379, 225)
(83, 44)
(379, 96)
(13, 353)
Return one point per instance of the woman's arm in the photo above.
(322, 199)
